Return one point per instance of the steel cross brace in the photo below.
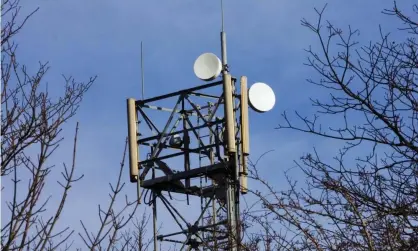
(189, 230)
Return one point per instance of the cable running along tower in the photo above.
(196, 150)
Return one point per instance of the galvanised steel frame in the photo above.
(220, 199)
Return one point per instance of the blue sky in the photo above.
(101, 37)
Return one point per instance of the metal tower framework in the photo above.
(207, 124)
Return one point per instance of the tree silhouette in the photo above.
(369, 201)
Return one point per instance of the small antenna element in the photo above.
(142, 72)
(261, 97)
(176, 141)
(222, 15)
(207, 66)
(223, 42)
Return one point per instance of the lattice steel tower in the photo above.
(205, 137)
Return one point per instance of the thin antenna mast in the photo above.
(222, 14)
(223, 42)
(232, 191)
(142, 72)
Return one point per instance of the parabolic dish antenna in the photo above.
(207, 66)
(261, 97)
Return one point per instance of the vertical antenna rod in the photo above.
(231, 191)
(142, 72)
(223, 43)
(222, 13)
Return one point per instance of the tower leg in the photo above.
(232, 221)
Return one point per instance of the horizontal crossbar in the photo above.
(196, 172)
(173, 94)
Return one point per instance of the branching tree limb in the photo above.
(368, 202)
(31, 126)
(109, 236)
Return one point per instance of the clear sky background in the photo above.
(101, 37)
